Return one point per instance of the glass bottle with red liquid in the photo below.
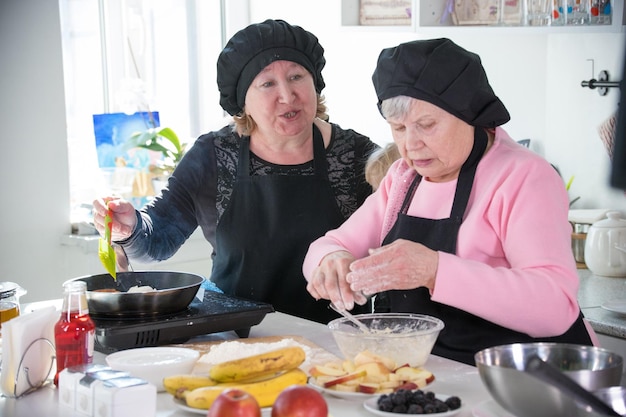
(74, 333)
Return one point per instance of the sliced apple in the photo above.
(407, 385)
(406, 365)
(345, 378)
(373, 368)
(346, 388)
(322, 379)
(411, 374)
(366, 357)
(348, 366)
(321, 370)
(390, 384)
(333, 364)
(395, 377)
(368, 387)
(376, 379)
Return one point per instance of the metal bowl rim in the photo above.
(617, 359)
(195, 284)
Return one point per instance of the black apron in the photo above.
(464, 334)
(265, 232)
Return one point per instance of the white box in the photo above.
(123, 397)
(86, 386)
(68, 380)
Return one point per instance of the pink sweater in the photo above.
(514, 264)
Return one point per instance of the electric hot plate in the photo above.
(215, 313)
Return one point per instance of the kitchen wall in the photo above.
(537, 74)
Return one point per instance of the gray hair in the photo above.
(397, 106)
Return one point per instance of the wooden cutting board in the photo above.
(315, 355)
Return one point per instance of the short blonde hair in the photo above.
(245, 124)
(379, 162)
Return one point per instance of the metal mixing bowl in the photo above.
(615, 397)
(502, 370)
(403, 337)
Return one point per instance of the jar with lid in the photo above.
(605, 248)
(10, 294)
(74, 333)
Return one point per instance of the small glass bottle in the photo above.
(74, 333)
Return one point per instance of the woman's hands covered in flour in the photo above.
(401, 265)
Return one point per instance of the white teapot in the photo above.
(605, 248)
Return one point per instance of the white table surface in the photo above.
(452, 378)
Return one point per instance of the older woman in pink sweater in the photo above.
(467, 226)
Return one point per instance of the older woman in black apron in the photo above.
(265, 187)
(454, 224)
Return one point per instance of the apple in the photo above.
(414, 374)
(320, 370)
(348, 366)
(347, 387)
(406, 365)
(299, 401)
(373, 368)
(366, 357)
(368, 387)
(407, 386)
(234, 402)
(345, 378)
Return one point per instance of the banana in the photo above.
(177, 383)
(264, 364)
(265, 391)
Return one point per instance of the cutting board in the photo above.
(315, 355)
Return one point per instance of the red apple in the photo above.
(345, 378)
(300, 401)
(234, 402)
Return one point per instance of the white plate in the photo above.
(154, 363)
(266, 411)
(372, 406)
(616, 306)
(355, 396)
(490, 408)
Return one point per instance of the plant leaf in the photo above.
(169, 134)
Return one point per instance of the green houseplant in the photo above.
(163, 140)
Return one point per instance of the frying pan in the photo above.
(174, 292)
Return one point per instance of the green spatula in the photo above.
(105, 250)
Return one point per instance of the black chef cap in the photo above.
(254, 48)
(444, 74)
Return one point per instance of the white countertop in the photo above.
(452, 378)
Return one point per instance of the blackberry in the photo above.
(385, 403)
(399, 397)
(453, 402)
(416, 402)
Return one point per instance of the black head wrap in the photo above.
(254, 48)
(444, 74)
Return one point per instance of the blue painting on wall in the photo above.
(112, 130)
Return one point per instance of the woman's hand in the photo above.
(329, 281)
(401, 265)
(124, 218)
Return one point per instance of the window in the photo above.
(136, 55)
